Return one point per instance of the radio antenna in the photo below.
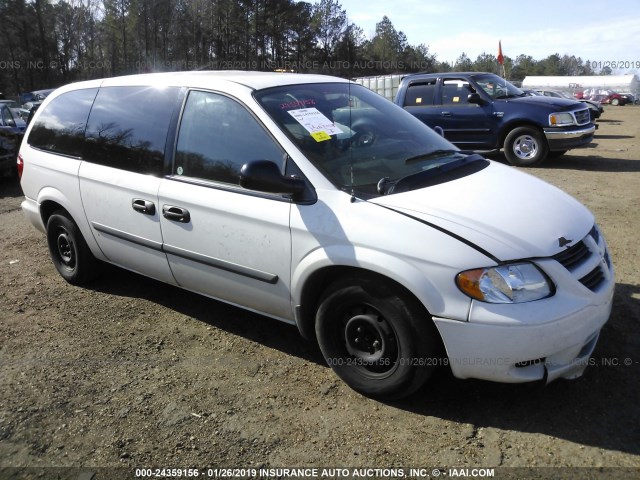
(353, 194)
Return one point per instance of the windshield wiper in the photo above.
(427, 156)
(386, 186)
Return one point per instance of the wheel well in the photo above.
(47, 208)
(319, 281)
(509, 128)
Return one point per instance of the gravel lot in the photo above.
(134, 373)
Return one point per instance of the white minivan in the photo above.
(313, 200)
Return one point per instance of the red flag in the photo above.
(500, 56)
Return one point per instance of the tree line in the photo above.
(47, 43)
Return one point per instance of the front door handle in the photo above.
(143, 206)
(446, 114)
(176, 214)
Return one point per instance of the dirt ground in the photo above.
(136, 374)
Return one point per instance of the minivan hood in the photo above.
(507, 213)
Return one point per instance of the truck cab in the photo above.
(484, 112)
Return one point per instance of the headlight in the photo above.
(513, 283)
(560, 119)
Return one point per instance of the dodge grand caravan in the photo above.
(312, 200)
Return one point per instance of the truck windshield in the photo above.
(497, 87)
(359, 140)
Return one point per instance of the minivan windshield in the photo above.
(361, 142)
(497, 87)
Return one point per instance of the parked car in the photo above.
(35, 96)
(481, 111)
(604, 96)
(632, 98)
(595, 107)
(12, 129)
(32, 100)
(315, 201)
(10, 103)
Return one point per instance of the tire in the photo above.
(69, 251)
(525, 147)
(615, 102)
(376, 338)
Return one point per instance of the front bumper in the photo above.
(559, 139)
(516, 354)
(546, 339)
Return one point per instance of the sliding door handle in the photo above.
(176, 214)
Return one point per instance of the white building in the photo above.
(618, 83)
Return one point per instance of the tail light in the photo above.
(20, 165)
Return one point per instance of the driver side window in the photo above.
(456, 92)
(218, 136)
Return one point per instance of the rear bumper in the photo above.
(31, 211)
(568, 139)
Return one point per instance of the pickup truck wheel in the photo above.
(376, 338)
(525, 147)
(69, 251)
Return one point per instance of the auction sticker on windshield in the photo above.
(314, 122)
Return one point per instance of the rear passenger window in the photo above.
(217, 136)
(60, 126)
(128, 126)
(420, 94)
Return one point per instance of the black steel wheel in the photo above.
(377, 338)
(69, 251)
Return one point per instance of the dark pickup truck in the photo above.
(484, 112)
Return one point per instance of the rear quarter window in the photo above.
(128, 127)
(60, 126)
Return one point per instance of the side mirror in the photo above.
(475, 98)
(439, 130)
(265, 176)
(9, 122)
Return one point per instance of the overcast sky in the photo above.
(592, 29)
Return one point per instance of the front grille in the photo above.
(573, 256)
(588, 260)
(592, 279)
(582, 116)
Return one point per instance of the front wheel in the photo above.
(376, 338)
(615, 102)
(525, 147)
(69, 251)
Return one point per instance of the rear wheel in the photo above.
(69, 251)
(376, 337)
(615, 102)
(525, 147)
